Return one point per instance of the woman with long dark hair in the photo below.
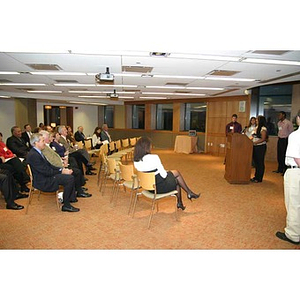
(166, 181)
(96, 141)
(259, 148)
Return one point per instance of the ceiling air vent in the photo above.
(270, 52)
(45, 67)
(224, 92)
(66, 81)
(223, 73)
(176, 84)
(137, 69)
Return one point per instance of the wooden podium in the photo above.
(238, 158)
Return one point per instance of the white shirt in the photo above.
(95, 140)
(293, 148)
(151, 162)
(250, 130)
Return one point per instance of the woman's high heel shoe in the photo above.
(181, 206)
(193, 196)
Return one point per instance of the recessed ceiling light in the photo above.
(22, 84)
(59, 73)
(272, 61)
(9, 73)
(58, 92)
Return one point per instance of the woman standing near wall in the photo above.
(259, 148)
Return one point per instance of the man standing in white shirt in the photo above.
(285, 128)
(292, 188)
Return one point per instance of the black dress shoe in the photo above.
(70, 208)
(90, 173)
(20, 196)
(14, 206)
(83, 195)
(282, 236)
(84, 188)
(73, 201)
(92, 169)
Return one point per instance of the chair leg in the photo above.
(31, 191)
(57, 201)
(134, 203)
(176, 215)
(151, 214)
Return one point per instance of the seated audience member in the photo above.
(166, 181)
(96, 140)
(37, 130)
(55, 160)
(104, 135)
(47, 177)
(11, 162)
(16, 144)
(26, 134)
(9, 190)
(79, 135)
(81, 155)
(70, 135)
(41, 126)
(57, 146)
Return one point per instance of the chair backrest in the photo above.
(126, 172)
(80, 145)
(125, 143)
(112, 146)
(132, 141)
(104, 149)
(118, 144)
(88, 144)
(29, 173)
(146, 180)
(111, 163)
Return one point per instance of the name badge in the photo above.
(231, 127)
(280, 128)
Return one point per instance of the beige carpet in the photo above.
(226, 216)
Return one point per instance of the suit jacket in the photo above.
(79, 136)
(26, 139)
(104, 136)
(53, 158)
(17, 146)
(43, 172)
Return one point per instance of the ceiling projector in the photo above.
(104, 76)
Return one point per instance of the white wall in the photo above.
(85, 115)
(7, 117)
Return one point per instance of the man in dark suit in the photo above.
(16, 144)
(47, 178)
(9, 190)
(104, 136)
(79, 135)
(26, 134)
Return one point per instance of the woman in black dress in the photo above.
(165, 181)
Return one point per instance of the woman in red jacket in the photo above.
(9, 161)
